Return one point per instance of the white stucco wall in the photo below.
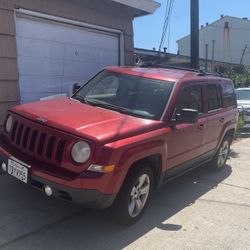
(228, 45)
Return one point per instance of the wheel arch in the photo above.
(153, 161)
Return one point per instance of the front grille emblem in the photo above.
(42, 120)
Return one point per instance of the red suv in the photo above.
(124, 133)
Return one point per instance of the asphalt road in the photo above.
(200, 210)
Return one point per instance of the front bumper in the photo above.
(67, 190)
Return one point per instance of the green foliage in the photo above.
(240, 125)
(240, 76)
(240, 122)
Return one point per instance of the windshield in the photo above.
(137, 96)
(243, 94)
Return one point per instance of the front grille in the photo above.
(43, 145)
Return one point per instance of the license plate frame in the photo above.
(19, 170)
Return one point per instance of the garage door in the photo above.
(52, 56)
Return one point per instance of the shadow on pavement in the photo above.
(52, 224)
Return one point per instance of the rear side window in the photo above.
(214, 97)
(190, 97)
(228, 94)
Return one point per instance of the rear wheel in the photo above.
(134, 196)
(221, 156)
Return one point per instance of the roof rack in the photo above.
(199, 72)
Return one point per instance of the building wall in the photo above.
(104, 13)
(229, 42)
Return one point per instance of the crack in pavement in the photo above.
(41, 228)
(226, 203)
(222, 183)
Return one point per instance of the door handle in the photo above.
(222, 120)
(201, 126)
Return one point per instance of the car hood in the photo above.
(94, 123)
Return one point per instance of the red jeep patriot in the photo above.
(125, 132)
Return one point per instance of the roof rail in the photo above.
(199, 72)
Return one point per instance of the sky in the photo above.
(148, 29)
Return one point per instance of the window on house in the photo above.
(214, 97)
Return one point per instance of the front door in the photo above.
(186, 142)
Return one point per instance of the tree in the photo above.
(241, 78)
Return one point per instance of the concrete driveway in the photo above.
(201, 210)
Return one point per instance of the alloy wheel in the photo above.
(139, 195)
(223, 153)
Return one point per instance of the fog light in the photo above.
(48, 190)
(4, 167)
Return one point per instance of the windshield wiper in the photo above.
(108, 106)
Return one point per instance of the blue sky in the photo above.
(148, 29)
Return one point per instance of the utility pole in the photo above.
(243, 54)
(206, 57)
(213, 50)
(194, 33)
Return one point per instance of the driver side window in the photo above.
(190, 97)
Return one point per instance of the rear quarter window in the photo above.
(228, 94)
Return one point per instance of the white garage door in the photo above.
(52, 56)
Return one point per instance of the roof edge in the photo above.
(148, 6)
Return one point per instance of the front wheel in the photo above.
(221, 156)
(134, 196)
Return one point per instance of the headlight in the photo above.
(81, 152)
(9, 123)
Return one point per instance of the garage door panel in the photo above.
(32, 84)
(40, 66)
(52, 31)
(53, 56)
(40, 48)
(32, 97)
(83, 54)
(73, 68)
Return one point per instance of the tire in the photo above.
(133, 197)
(220, 159)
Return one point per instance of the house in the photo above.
(47, 46)
(145, 57)
(227, 40)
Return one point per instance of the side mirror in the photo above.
(76, 87)
(186, 116)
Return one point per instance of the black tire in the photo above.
(125, 200)
(220, 159)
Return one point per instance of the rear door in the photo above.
(216, 115)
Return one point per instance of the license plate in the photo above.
(19, 170)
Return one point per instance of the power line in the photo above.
(168, 13)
